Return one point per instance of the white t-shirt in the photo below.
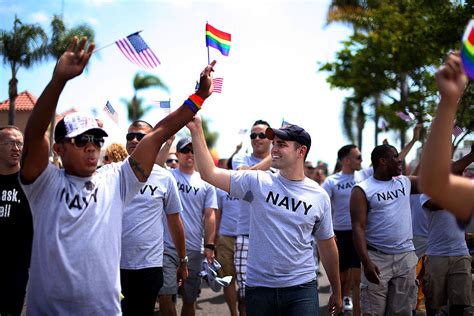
(389, 227)
(230, 208)
(195, 195)
(77, 240)
(339, 188)
(142, 233)
(285, 216)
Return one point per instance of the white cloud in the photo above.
(98, 3)
(38, 17)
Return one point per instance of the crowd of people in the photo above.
(117, 239)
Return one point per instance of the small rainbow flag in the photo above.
(467, 50)
(217, 39)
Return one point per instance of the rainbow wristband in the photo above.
(194, 102)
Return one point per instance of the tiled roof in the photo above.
(25, 101)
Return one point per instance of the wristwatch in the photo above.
(210, 246)
(183, 260)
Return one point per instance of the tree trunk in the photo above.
(12, 94)
(403, 105)
(360, 123)
(378, 101)
(134, 109)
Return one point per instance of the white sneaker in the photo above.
(347, 303)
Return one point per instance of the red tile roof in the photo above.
(25, 101)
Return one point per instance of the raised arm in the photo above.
(209, 172)
(452, 192)
(143, 157)
(409, 146)
(36, 148)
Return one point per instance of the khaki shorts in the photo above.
(397, 291)
(448, 278)
(225, 255)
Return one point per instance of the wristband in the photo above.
(210, 246)
(194, 102)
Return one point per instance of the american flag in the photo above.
(134, 48)
(218, 82)
(165, 105)
(457, 131)
(109, 110)
(404, 116)
(243, 131)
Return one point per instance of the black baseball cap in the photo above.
(290, 132)
(183, 142)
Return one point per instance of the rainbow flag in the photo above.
(217, 39)
(467, 50)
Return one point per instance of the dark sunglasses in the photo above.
(259, 135)
(83, 140)
(132, 136)
(172, 160)
(186, 150)
(359, 157)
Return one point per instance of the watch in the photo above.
(210, 246)
(183, 260)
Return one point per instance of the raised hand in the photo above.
(450, 78)
(194, 124)
(74, 60)
(205, 81)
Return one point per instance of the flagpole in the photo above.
(208, 58)
(98, 49)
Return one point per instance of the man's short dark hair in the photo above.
(140, 123)
(345, 151)
(379, 152)
(261, 122)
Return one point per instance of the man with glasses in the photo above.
(199, 202)
(339, 187)
(259, 159)
(16, 227)
(77, 213)
(141, 261)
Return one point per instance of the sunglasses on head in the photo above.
(186, 150)
(259, 135)
(172, 161)
(132, 136)
(82, 140)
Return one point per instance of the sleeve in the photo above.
(238, 161)
(172, 201)
(50, 178)
(327, 186)
(220, 198)
(324, 228)
(129, 183)
(241, 181)
(211, 197)
(423, 199)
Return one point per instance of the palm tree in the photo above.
(141, 81)
(23, 46)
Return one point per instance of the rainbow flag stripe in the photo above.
(467, 50)
(218, 39)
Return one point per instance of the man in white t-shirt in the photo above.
(287, 211)
(199, 202)
(339, 187)
(77, 214)
(259, 159)
(141, 262)
(382, 232)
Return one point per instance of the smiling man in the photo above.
(286, 211)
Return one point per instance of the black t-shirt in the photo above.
(16, 226)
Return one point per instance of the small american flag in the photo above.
(243, 131)
(284, 123)
(218, 82)
(134, 48)
(109, 110)
(404, 116)
(457, 131)
(165, 105)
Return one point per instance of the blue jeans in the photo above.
(298, 300)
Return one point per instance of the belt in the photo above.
(369, 247)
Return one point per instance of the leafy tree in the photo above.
(23, 46)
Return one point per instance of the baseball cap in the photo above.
(183, 142)
(75, 124)
(290, 132)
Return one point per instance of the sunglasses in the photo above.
(132, 136)
(172, 161)
(83, 140)
(259, 135)
(186, 150)
(359, 157)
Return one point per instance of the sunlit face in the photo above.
(79, 160)
(134, 136)
(11, 145)
(172, 161)
(260, 145)
(355, 159)
(284, 153)
(186, 157)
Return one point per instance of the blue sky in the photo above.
(271, 72)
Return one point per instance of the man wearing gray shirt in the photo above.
(287, 211)
(199, 204)
(382, 231)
